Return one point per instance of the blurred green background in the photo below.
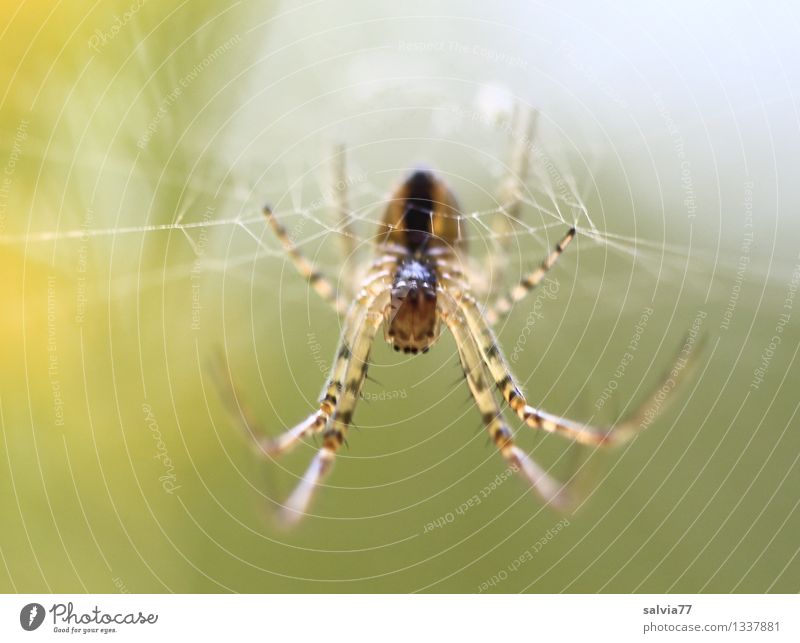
(138, 142)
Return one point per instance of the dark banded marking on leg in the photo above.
(493, 357)
(628, 427)
(296, 505)
(538, 419)
(333, 390)
(316, 279)
(503, 304)
(551, 490)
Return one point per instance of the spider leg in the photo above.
(522, 130)
(584, 433)
(509, 192)
(335, 429)
(318, 281)
(503, 304)
(551, 490)
(223, 381)
(316, 422)
(340, 201)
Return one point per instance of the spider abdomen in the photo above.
(423, 213)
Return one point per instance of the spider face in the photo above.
(415, 283)
(412, 323)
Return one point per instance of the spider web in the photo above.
(542, 216)
(131, 185)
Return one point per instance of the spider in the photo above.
(415, 284)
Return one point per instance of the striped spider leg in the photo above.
(318, 281)
(338, 197)
(504, 303)
(340, 396)
(316, 421)
(494, 360)
(551, 491)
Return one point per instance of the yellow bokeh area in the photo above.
(138, 142)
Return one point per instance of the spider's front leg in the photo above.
(340, 201)
(509, 193)
(551, 490)
(319, 282)
(523, 126)
(504, 303)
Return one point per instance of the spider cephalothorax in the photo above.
(415, 283)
